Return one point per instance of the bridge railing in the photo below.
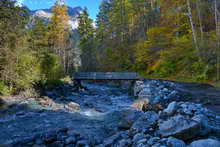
(105, 76)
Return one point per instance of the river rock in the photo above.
(72, 106)
(172, 107)
(144, 123)
(175, 142)
(139, 104)
(145, 93)
(153, 140)
(180, 127)
(138, 137)
(56, 144)
(205, 143)
(158, 92)
(139, 85)
(122, 119)
(70, 140)
(82, 143)
(124, 142)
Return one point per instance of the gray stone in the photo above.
(157, 145)
(70, 145)
(26, 140)
(72, 106)
(37, 145)
(70, 140)
(153, 140)
(71, 133)
(124, 142)
(138, 137)
(145, 122)
(50, 136)
(56, 144)
(125, 134)
(82, 143)
(180, 127)
(144, 141)
(145, 93)
(190, 108)
(205, 143)
(173, 142)
(171, 108)
(163, 141)
(39, 141)
(139, 85)
(141, 145)
(100, 145)
(207, 124)
(123, 119)
(157, 99)
(111, 140)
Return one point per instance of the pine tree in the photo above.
(102, 22)
(87, 43)
(38, 38)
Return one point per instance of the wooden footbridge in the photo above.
(105, 76)
(101, 76)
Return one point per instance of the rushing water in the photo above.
(100, 98)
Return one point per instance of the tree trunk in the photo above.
(152, 4)
(218, 38)
(200, 18)
(192, 25)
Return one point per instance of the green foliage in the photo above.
(27, 55)
(87, 42)
(51, 67)
(173, 47)
(4, 89)
(28, 71)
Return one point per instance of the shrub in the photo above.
(4, 89)
(29, 92)
(28, 72)
(51, 68)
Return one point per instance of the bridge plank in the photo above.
(105, 76)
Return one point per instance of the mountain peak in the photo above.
(71, 11)
(46, 14)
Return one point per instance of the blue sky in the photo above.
(92, 5)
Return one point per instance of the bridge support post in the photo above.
(78, 84)
(131, 88)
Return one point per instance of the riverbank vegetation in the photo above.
(32, 52)
(175, 40)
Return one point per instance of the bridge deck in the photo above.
(105, 76)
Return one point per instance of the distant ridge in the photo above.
(71, 11)
(46, 14)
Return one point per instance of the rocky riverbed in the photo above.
(158, 114)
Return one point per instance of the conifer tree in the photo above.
(87, 42)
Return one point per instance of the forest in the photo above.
(173, 40)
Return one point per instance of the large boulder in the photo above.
(171, 109)
(174, 142)
(205, 143)
(179, 126)
(145, 123)
(187, 120)
(122, 119)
